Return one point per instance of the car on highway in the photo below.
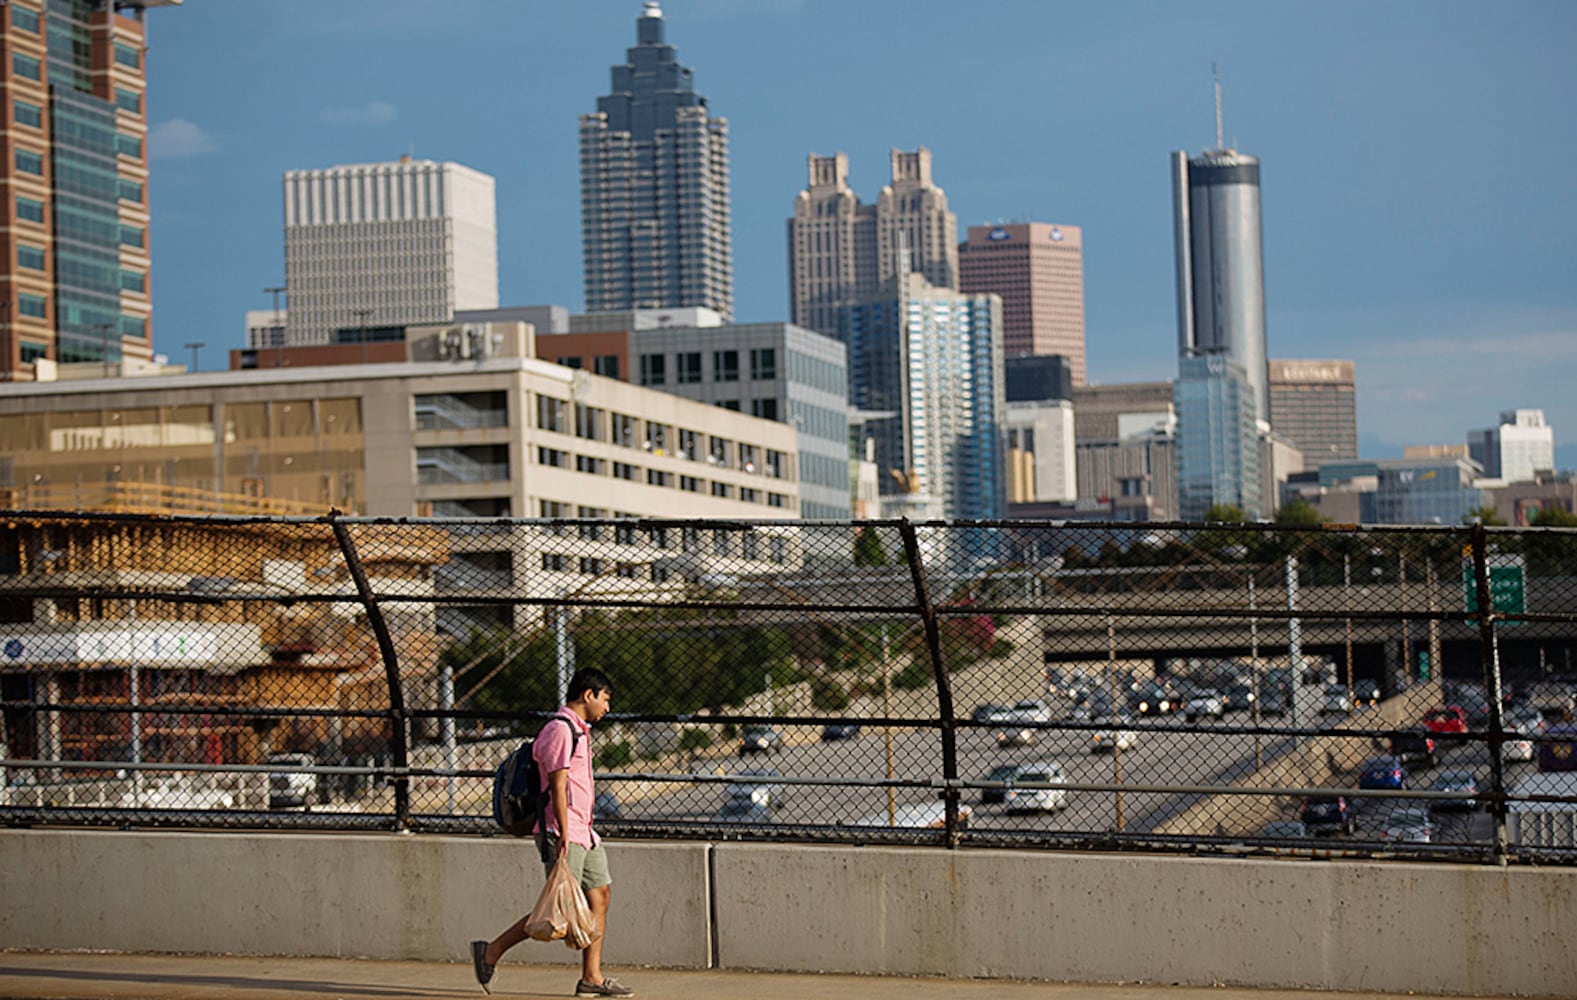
(1413, 746)
(1116, 734)
(1203, 703)
(1238, 697)
(1021, 799)
(1153, 698)
(1446, 721)
(1323, 814)
(760, 785)
(742, 809)
(1409, 825)
(1337, 700)
(920, 815)
(1028, 710)
(760, 739)
(1272, 701)
(1091, 705)
(986, 711)
(1521, 726)
(1465, 782)
(834, 731)
(1383, 772)
(1015, 736)
(291, 789)
(1285, 829)
(605, 805)
(1005, 773)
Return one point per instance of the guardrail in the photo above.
(1228, 688)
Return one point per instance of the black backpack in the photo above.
(519, 801)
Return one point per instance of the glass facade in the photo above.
(1217, 439)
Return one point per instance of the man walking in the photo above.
(563, 754)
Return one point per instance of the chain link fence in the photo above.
(1400, 692)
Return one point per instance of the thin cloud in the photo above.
(373, 113)
(178, 139)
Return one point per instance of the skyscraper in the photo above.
(1038, 269)
(1314, 404)
(842, 252)
(1517, 447)
(76, 170)
(1218, 461)
(372, 245)
(654, 195)
(928, 361)
(1220, 265)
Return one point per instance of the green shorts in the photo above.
(590, 868)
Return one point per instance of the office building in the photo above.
(1220, 264)
(654, 188)
(1038, 270)
(1218, 442)
(842, 252)
(77, 286)
(1036, 377)
(1314, 405)
(1423, 491)
(926, 368)
(1040, 452)
(1124, 455)
(775, 371)
(495, 434)
(1516, 448)
(373, 246)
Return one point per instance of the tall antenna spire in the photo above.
(1215, 70)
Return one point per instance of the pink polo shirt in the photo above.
(552, 753)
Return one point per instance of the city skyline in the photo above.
(1375, 150)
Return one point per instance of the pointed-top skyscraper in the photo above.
(654, 191)
(1220, 263)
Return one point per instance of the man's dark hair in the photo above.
(587, 679)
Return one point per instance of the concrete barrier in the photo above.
(1331, 925)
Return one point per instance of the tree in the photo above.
(868, 548)
(1489, 517)
(1298, 512)
(1552, 553)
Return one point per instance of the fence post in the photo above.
(1489, 655)
(944, 691)
(391, 670)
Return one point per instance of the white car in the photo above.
(921, 815)
(1518, 746)
(1021, 799)
(1337, 699)
(1118, 737)
(291, 789)
(1205, 703)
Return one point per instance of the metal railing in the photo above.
(1228, 688)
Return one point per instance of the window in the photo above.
(624, 430)
(27, 114)
(31, 258)
(748, 495)
(24, 66)
(128, 100)
(29, 162)
(721, 490)
(763, 363)
(595, 466)
(777, 500)
(551, 456)
(127, 145)
(689, 365)
(717, 453)
(653, 369)
(624, 534)
(568, 362)
(550, 414)
(722, 544)
(133, 281)
(657, 478)
(774, 464)
(588, 422)
(26, 20)
(30, 210)
(131, 236)
(552, 562)
(624, 470)
(606, 364)
(729, 404)
(32, 352)
(32, 305)
(725, 367)
(766, 409)
(128, 191)
(689, 444)
(590, 566)
(777, 548)
(127, 55)
(591, 532)
(690, 484)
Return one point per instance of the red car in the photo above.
(1450, 720)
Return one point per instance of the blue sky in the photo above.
(1420, 210)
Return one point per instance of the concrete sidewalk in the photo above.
(83, 976)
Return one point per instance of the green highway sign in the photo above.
(1507, 586)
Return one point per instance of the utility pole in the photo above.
(194, 346)
(363, 314)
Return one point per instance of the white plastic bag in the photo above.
(562, 911)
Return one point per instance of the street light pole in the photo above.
(1352, 690)
(194, 346)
